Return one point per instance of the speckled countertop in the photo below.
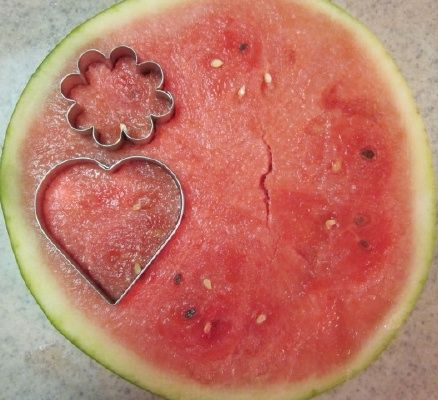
(36, 362)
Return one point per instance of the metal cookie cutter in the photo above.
(39, 213)
(94, 56)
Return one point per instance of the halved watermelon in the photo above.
(309, 223)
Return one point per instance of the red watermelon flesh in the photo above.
(295, 242)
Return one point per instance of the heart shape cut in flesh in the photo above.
(110, 222)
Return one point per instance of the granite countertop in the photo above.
(38, 363)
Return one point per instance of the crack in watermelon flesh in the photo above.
(291, 294)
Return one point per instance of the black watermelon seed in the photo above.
(364, 243)
(367, 153)
(243, 46)
(177, 279)
(361, 220)
(190, 313)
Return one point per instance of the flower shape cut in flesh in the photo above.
(131, 94)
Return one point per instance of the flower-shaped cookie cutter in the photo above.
(95, 56)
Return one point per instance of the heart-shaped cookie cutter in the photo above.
(93, 56)
(39, 214)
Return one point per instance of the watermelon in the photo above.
(309, 221)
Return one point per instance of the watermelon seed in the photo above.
(207, 283)
(360, 220)
(243, 46)
(241, 91)
(137, 268)
(207, 328)
(336, 166)
(261, 318)
(330, 223)
(216, 63)
(364, 243)
(177, 279)
(267, 77)
(190, 313)
(136, 206)
(367, 153)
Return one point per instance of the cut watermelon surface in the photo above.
(309, 216)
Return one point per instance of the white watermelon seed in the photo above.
(137, 268)
(330, 223)
(336, 166)
(267, 77)
(241, 91)
(216, 63)
(136, 206)
(261, 318)
(207, 283)
(207, 328)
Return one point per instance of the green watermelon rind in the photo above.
(92, 340)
